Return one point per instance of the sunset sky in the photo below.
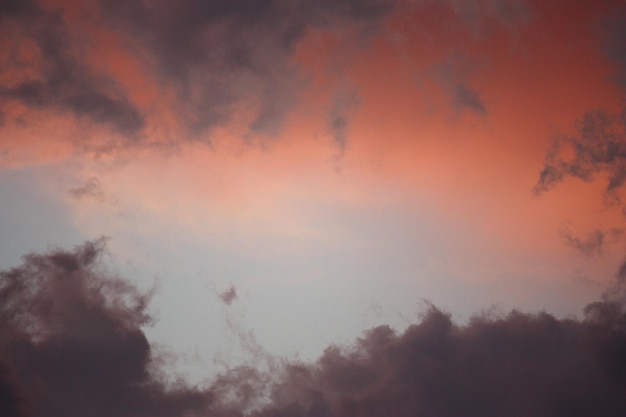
(284, 175)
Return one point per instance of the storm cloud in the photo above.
(72, 344)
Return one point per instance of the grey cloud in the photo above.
(507, 12)
(103, 108)
(223, 56)
(593, 243)
(598, 148)
(11, 8)
(224, 60)
(229, 295)
(56, 77)
(91, 189)
(614, 40)
(344, 102)
(618, 291)
(453, 74)
(518, 364)
(468, 98)
(72, 345)
(477, 15)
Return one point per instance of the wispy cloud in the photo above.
(598, 148)
(593, 243)
(215, 62)
(229, 295)
(91, 189)
(44, 69)
(344, 103)
(467, 98)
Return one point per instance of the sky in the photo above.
(320, 208)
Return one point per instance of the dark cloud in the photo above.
(10, 402)
(12, 8)
(72, 345)
(519, 364)
(45, 68)
(215, 62)
(223, 60)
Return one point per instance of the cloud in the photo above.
(510, 13)
(344, 102)
(202, 65)
(224, 54)
(599, 147)
(519, 364)
(91, 189)
(214, 63)
(453, 74)
(229, 295)
(479, 15)
(614, 41)
(10, 402)
(43, 68)
(468, 98)
(72, 344)
(593, 242)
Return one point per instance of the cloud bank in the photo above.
(72, 344)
